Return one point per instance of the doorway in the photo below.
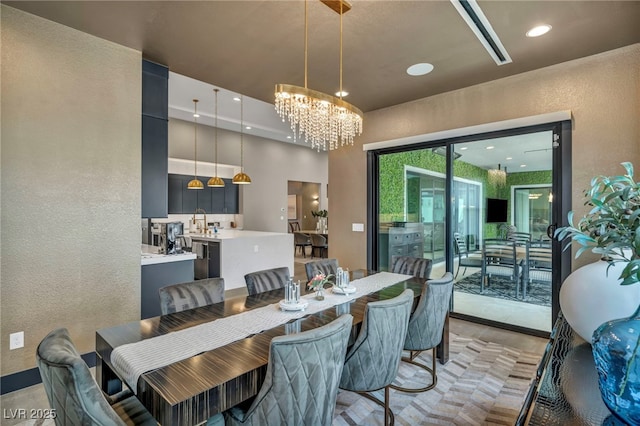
(463, 192)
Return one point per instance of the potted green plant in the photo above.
(610, 229)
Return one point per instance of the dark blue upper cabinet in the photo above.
(155, 90)
(155, 142)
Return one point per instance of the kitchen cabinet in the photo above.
(212, 200)
(155, 145)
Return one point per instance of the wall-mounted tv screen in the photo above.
(496, 210)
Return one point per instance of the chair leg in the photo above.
(432, 371)
(389, 418)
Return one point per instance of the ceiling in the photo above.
(249, 46)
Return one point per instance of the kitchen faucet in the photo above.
(205, 218)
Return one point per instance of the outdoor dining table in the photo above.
(189, 391)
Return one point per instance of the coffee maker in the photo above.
(165, 236)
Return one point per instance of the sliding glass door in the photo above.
(446, 200)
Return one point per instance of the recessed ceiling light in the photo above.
(538, 31)
(509, 158)
(420, 69)
(490, 147)
(463, 148)
(523, 165)
(237, 99)
(342, 94)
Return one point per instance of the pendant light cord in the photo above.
(305, 43)
(215, 149)
(195, 139)
(341, 49)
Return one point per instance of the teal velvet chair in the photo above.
(372, 362)
(73, 392)
(326, 266)
(301, 383)
(266, 280)
(183, 296)
(426, 326)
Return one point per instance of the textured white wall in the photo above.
(70, 184)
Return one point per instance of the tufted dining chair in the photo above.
(73, 392)
(426, 326)
(266, 280)
(326, 266)
(372, 362)
(416, 266)
(183, 296)
(301, 382)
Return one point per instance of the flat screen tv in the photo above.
(496, 210)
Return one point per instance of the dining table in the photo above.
(188, 391)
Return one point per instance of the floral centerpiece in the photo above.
(318, 282)
(610, 229)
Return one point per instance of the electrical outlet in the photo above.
(16, 340)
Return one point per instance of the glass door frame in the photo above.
(561, 188)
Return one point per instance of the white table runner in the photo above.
(130, 361)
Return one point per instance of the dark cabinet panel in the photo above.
(212, 200)
(231, 205)
(154, 167)
(155, 145)
(155, 84)
(175, 194)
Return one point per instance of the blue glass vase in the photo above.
(615, 346)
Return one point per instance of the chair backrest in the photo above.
(183, 296)
(539, 255)
(303, 373)
(372, 362)
(266, 280)
(318, 240)
(521, 238)
(427, 321)
(69, 385)
(499, 252)
(301, 238)
(416, 266)
(460, 248)
(294, 226)
(326, 266)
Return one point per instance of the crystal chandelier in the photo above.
(497, 177)
(320, 117)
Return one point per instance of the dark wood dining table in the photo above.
(190, 391)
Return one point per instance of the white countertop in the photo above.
(228, 234)
(150, 256)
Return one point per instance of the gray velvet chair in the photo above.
(301, 382)
(416, 266)
(180, 297)
(426, 326)
(73, 392)
(266, 280)
(372, 362)
(326, 266)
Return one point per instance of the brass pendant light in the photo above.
(195, 183)
(241, 178)
(216, 181)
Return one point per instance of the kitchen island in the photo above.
(232, 253)
(157, 271)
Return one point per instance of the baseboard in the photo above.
(24, 379)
